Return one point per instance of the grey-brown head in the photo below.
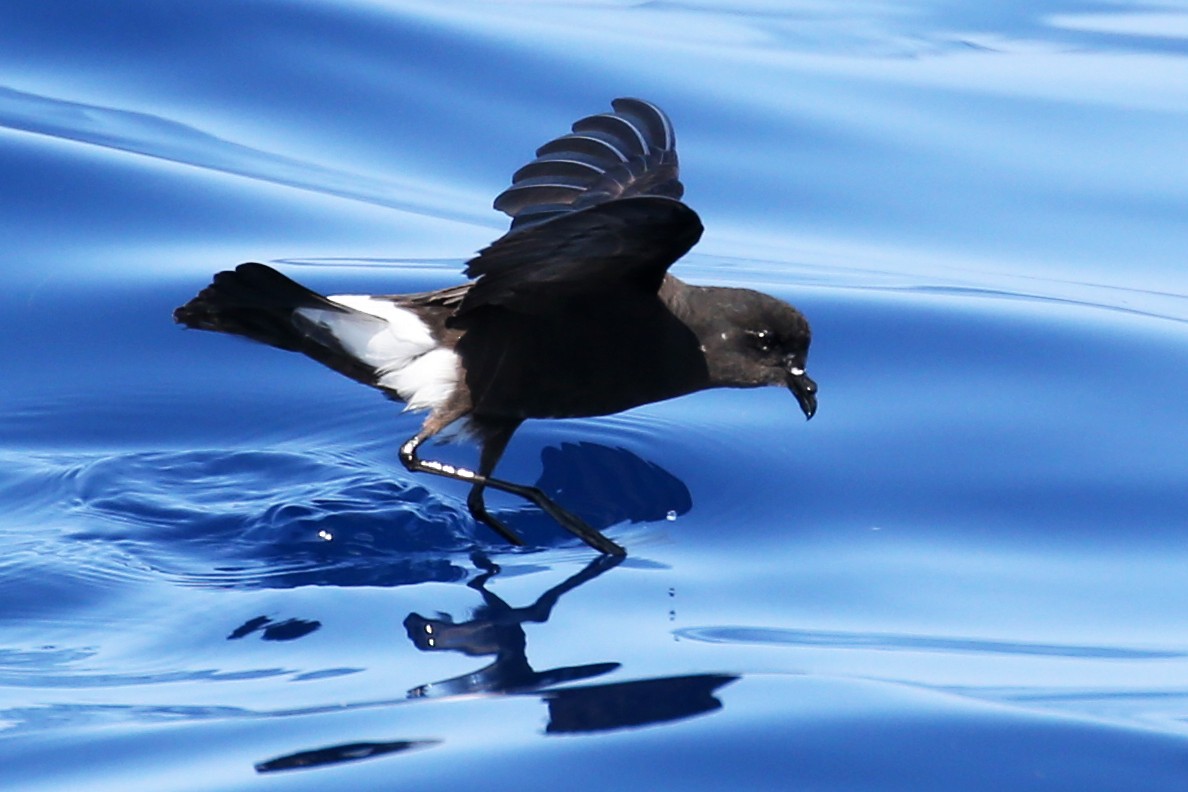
(751, 339)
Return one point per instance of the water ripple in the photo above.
(915, 643)
(240, 518)
(163, 138)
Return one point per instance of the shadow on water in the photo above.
(606, 485)
(279, 519)
(496, 629)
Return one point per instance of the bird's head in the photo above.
(755, 339)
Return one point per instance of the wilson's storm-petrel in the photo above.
(571, 313)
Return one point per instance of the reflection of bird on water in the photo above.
(336, 754)
(639, 703)
(287, 630)
(496, 629)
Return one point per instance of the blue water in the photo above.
(966, 573)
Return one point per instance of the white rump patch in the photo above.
(396, 343)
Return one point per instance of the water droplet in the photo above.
(670, 516)
(326, 535)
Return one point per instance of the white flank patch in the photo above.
(400, 348)
(426, 381)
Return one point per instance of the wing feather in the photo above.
(625, 244)
(628, 152)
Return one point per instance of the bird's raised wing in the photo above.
(622, 245)
(628, 152)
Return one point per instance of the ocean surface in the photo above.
(968, 572)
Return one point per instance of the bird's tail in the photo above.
(257, 302)
(254, 301)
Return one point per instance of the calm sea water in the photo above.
(967, 572)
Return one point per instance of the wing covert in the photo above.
(627, 243)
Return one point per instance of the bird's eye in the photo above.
(762, 340)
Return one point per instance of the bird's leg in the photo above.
(491, 449)
(494, 442)
(408, 456)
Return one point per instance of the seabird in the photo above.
(571, 313)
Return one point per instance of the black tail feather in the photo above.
(254, 301)
(257, 302)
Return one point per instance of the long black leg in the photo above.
(493, 447)
(408, 456)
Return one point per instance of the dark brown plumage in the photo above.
(571, 313)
